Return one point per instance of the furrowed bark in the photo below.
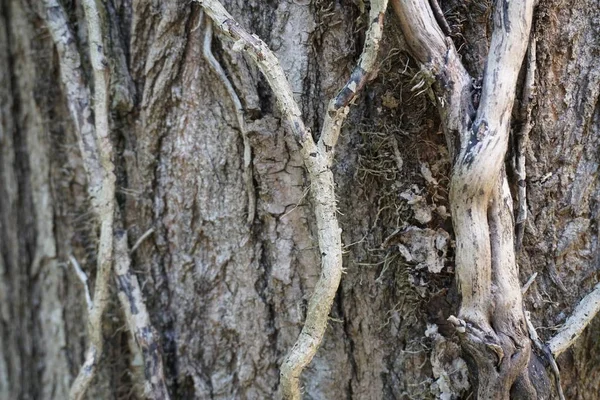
(317, 159)
(239, 113)
(491, 320)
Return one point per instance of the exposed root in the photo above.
(239, 113)
(317, 159)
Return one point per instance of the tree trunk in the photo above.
(227, 282)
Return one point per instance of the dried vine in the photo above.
(318, 158)
(96, 149)
(491, 321)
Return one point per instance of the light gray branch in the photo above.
(491, 308)
(97, 153)
(96, 150)
(583, 314)
(522, 140)
(440, 59)
(317, 159)
(83, 278)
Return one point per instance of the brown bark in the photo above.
(228, 299)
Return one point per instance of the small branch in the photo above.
(268, 64)
(76, 91)
(438, 56)
(337, 109)
(528, 283)
(138, 320)
(138, 242)
(83, 278)
(583, 314)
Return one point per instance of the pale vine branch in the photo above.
(544, 349)
(138, 319)
(491, 319)
(522, 140)
(97, 153)
(581, 317)
(317, 159)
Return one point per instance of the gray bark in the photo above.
(228, 299)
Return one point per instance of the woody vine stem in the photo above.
(318, 158)
(96, 147)
(491, 322)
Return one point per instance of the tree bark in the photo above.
(228, 297)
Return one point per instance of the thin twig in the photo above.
(83, 278)
(239, 112)
(528, 283)
(545, 350)
(138, 320)
(138, 242)
(337, 109)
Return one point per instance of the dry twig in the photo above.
(138, 319)
(522, 140)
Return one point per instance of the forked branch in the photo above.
(317, 159)
(490, 319)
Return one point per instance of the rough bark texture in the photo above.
(227, 298)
